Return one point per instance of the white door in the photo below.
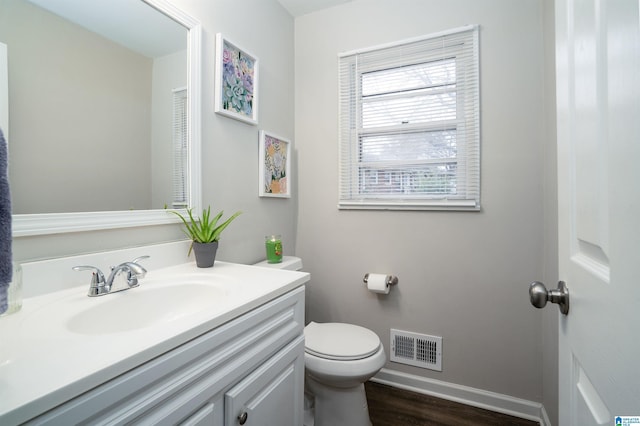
(598, 88)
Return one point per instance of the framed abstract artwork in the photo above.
(236, 79)
(275, 166)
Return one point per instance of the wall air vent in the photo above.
(419, 350)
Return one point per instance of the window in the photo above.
(180, 149)
(410, 126)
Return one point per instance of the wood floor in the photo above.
(390, 406)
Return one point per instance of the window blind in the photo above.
(409, 124)
(180, 149)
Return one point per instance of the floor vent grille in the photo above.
(419, 350)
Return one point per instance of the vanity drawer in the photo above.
(181, 383)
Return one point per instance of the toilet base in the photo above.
(334, 406)
(309, 409)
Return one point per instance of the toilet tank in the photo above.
(290, 263)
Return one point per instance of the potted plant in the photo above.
(205, 234)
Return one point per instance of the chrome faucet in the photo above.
(129, 271)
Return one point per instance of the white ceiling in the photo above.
(302, 7)
(143, 29)
(131, 23)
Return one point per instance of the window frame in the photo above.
(350, 163)
(180, 149)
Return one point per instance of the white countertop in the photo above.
(43, 363)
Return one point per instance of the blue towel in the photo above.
(6, 267)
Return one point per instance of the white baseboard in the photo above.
(487, 400)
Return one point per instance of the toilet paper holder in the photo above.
(391, 279)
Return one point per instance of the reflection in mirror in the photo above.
(103, 114)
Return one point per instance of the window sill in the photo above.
(438, 205)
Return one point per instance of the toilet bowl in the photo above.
(338, 359)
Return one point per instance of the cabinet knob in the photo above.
(242, 418)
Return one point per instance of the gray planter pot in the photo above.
(205, 253)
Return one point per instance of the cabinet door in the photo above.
(204, 416)
(272, 394)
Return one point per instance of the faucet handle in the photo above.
(98, 276)
(97, 286)
(135, 271)
(137, 259)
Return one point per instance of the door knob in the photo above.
(539, 296)
(242, 418)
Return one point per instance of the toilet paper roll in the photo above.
(377, 283)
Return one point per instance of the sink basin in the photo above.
(142, 307)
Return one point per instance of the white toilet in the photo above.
(338, 359)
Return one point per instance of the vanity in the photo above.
(221, 345)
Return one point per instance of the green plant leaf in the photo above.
(219, 229)
(204, 229)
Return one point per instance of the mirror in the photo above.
(92, 146)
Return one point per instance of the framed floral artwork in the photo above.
(275, 166)
(236, 79)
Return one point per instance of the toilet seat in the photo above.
(339, 341)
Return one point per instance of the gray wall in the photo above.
(463, 276)
(550, 315)
(230, 147)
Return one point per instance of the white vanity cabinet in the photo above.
(248, 371)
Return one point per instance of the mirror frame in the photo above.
(55, 223)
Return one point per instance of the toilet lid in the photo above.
(339, 341)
